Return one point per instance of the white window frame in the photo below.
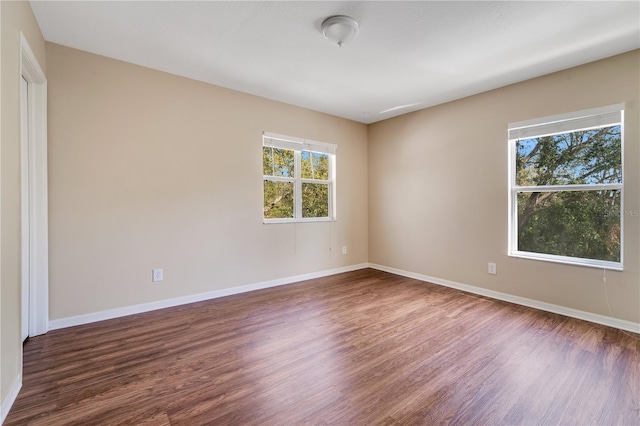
(552, 125)
(298, 145)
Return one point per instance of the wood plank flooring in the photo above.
(360, 348)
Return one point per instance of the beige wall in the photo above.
(150, 170)
(16, 17)
(438, 189)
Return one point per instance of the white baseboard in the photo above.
(10, 398)
(146, 307)
(543, 306)
(168, 303)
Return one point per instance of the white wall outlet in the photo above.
(344, 249)
(158, 275)
(492, 269)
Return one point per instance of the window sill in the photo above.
(600, 264)
(309, 220)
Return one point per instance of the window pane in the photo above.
(315, 200)
(277, 162)
(315, 165)
(278, 200)
(583, 224)
(581, 157)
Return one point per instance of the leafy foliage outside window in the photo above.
(567, 194)
(297, 183)
(315, 195)
(278, 199)
(278, 195)
(315, 200)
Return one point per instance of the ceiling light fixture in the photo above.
(339, 29)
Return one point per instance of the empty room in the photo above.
(322, 213)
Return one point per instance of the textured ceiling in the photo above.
(407, 56)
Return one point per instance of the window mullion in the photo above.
(297, 204)
(558, 188)
(278, 178)
(514, 220)
(513, 196)
(326, 182)
(332, 183)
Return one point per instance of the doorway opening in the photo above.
(34, 234)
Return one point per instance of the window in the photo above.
(566, 188)
(298, 179)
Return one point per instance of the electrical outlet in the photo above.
(158, 275)
(344, 249)
(492, 269)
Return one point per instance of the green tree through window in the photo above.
(567, 191)
(278, 195)
(297, 179)
(315, 194)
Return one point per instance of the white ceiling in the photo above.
(407, 56)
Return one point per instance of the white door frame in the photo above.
(37, 216)
(25, 256)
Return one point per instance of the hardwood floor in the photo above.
(360, 348)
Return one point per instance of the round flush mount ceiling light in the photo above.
(340, 29)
